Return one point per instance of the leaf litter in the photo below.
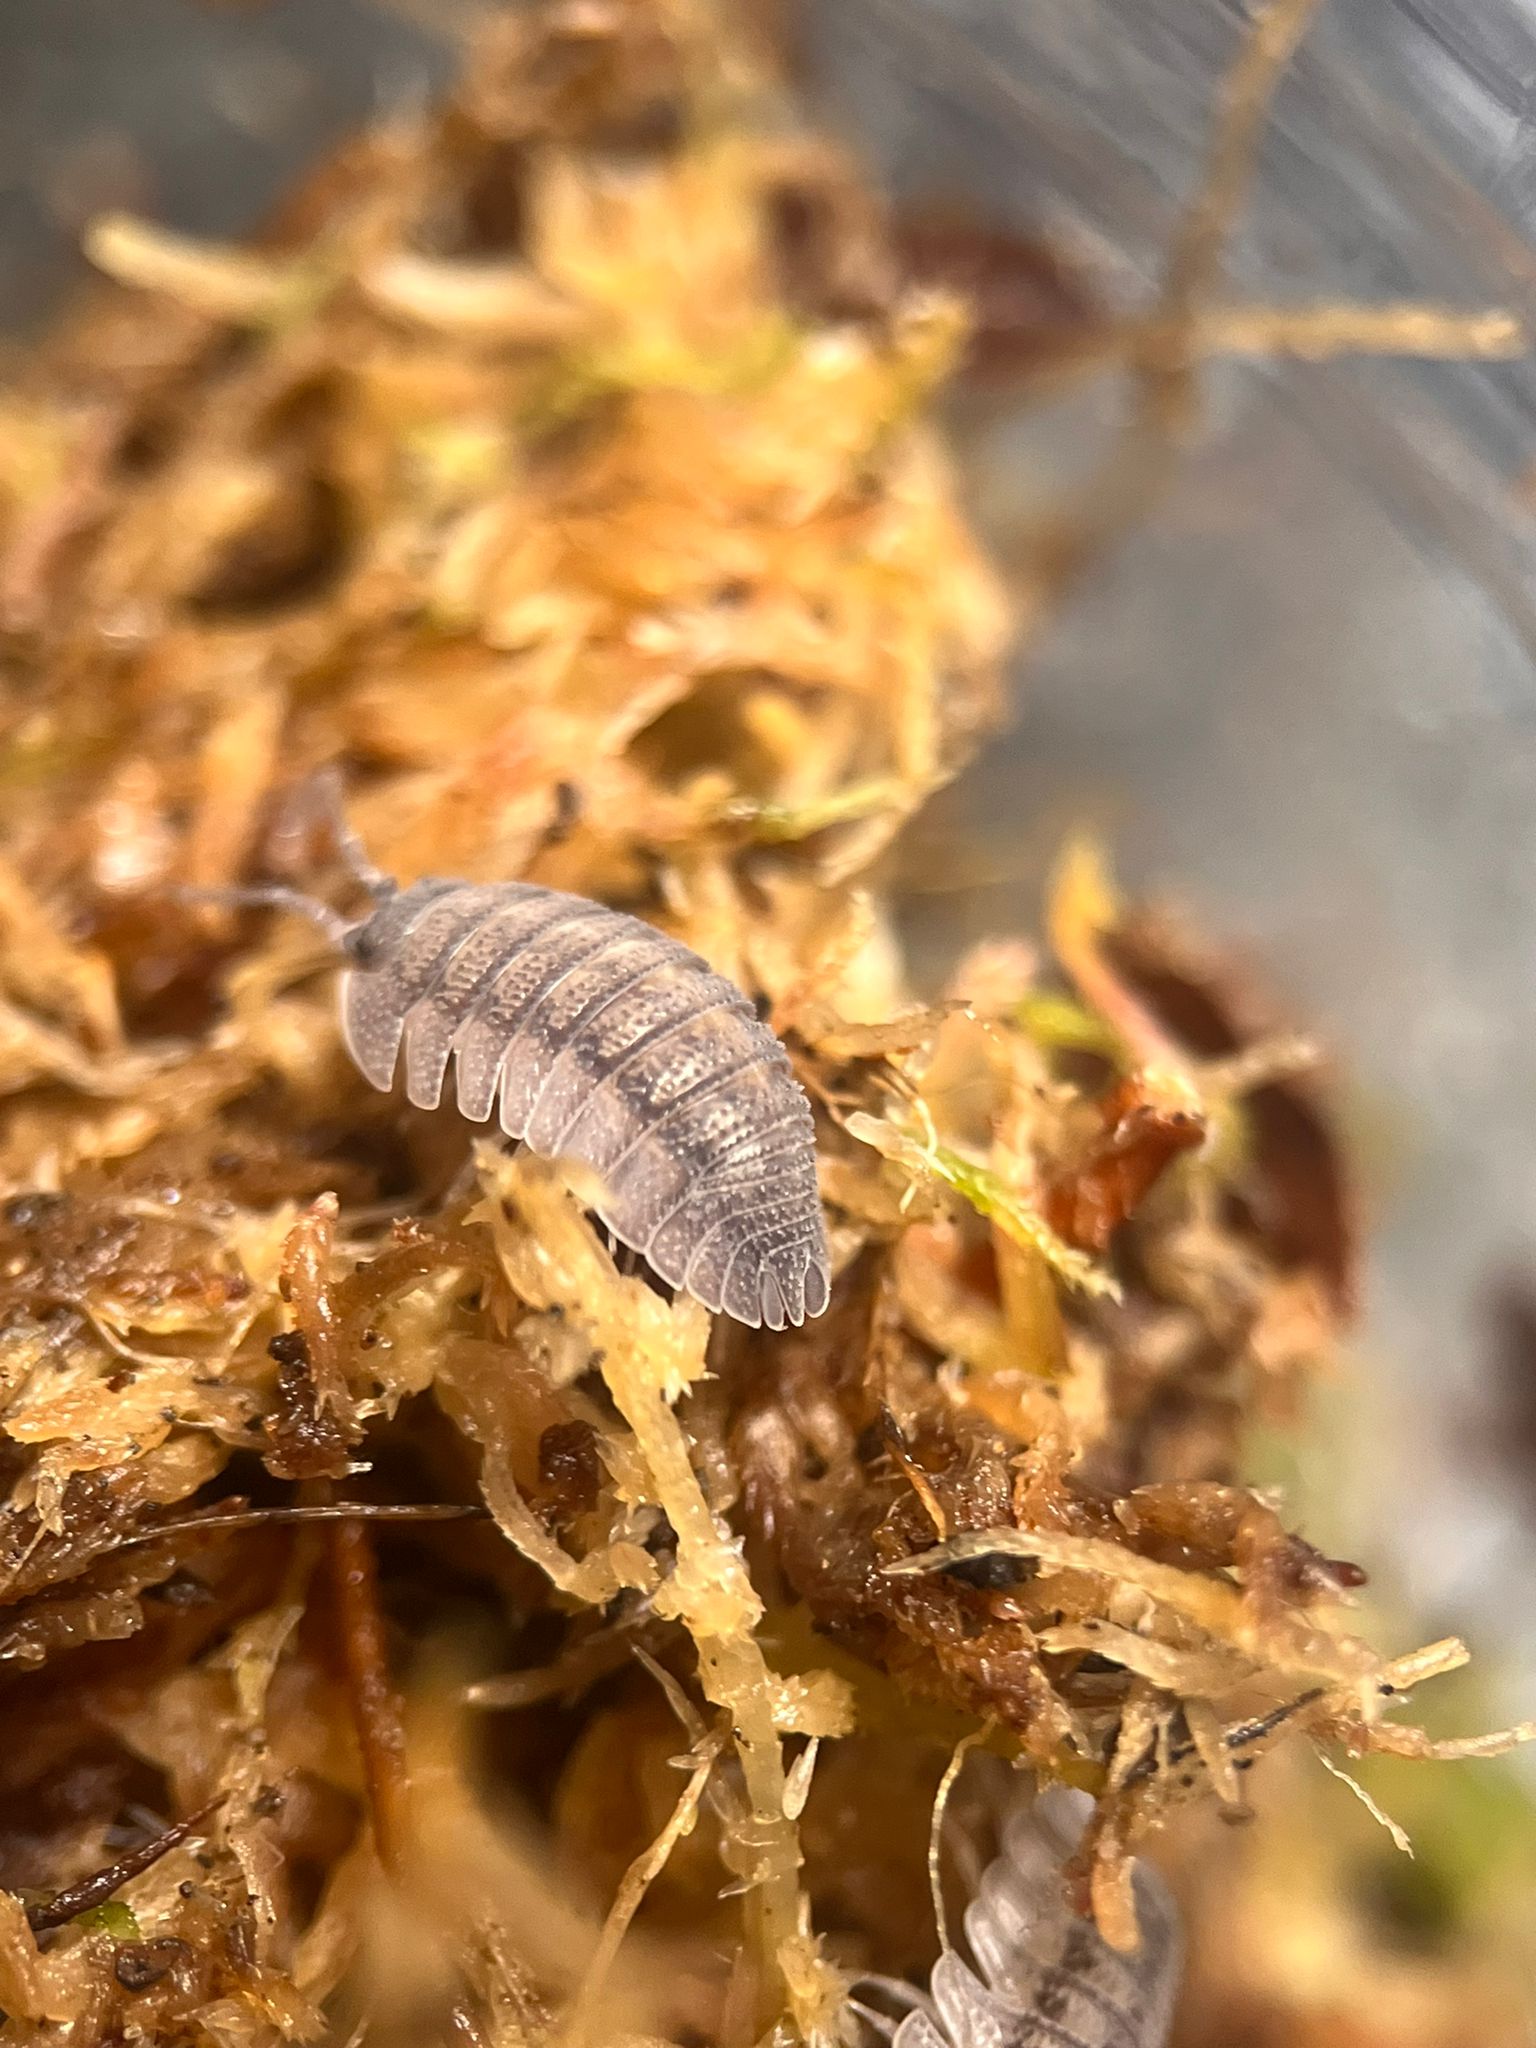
(563, 462)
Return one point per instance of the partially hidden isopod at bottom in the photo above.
(594, 1037)
(1036, 1974)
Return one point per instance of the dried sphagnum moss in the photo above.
(561, 464)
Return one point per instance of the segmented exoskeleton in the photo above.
(594, 1037)
(1039, 1976)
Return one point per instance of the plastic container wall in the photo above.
(1301, 696)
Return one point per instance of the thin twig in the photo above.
(1319, 333)
(947, 1783)
(637, 1881)
(330, 1511)
(1244, 1736)
(1195, 257)
(375, 1705)
(1166, 409)
(97, 1889)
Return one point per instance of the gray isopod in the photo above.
(594, 1037)
(1038, 1976)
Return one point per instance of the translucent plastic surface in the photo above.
(1302, 696)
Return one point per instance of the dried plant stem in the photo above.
(96, 1889)
(635, 1883)
(1316, 333)
(1195, 257)
(947, 1785)
(375, 1705)
(735, 1675)
(311, 1511)
(1167, 361)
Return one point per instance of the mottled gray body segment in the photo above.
(1040, 1976)
(594, 1037)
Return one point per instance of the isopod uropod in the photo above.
(1039, 1976)
(595, 1037)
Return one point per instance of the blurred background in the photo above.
(1299, 697)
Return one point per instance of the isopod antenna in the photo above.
(319, 800)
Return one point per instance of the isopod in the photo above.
(594, 1037)
(1038, 1976)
